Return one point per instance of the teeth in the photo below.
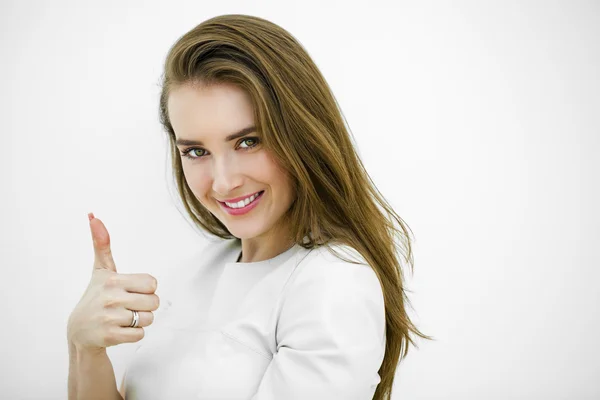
(242, 203)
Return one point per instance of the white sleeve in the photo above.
(330, 335)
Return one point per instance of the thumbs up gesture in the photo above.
(103, 316)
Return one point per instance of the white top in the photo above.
(302, 325)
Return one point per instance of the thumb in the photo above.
(102, 255)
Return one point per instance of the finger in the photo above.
(140, 302)
(146, 318)
(102, 255)
(130, 335)
(138, 283)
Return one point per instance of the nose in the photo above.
(226, 177)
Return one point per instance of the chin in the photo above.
(244, 233)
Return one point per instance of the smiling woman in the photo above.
(222, 163)
(236, 71)
(271, 309)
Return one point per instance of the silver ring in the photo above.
(135, 320)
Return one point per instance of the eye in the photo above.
(254, 139)
(190, 151)
(186, 153)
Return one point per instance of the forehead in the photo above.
(204, 111)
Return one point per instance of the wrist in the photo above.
(87, 352)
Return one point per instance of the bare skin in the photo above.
(102, 318)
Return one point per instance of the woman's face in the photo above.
(217, 169)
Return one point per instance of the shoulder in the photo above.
(336, 267)
(326, 290)
(330, 330)
(333, 317)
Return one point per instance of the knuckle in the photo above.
(111, 301)
(153, 283)
(112, 281)
(106, 319)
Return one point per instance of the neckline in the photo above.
(280, 258)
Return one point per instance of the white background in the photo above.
(479, 122)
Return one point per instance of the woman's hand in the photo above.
(104, 313)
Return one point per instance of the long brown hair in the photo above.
(303, 127)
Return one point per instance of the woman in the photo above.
(299, 295)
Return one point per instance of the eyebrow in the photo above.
(243, 132)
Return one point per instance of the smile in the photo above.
(244, 202)
(244, 206)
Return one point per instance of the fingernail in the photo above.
(90, 216)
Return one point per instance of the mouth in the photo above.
(245, 208)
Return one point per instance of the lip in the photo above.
(235, 200)
(243, 210)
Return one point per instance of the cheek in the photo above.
(279, 175)
(281, 180)
(256, 167)
(271, 168)
(197, 179)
